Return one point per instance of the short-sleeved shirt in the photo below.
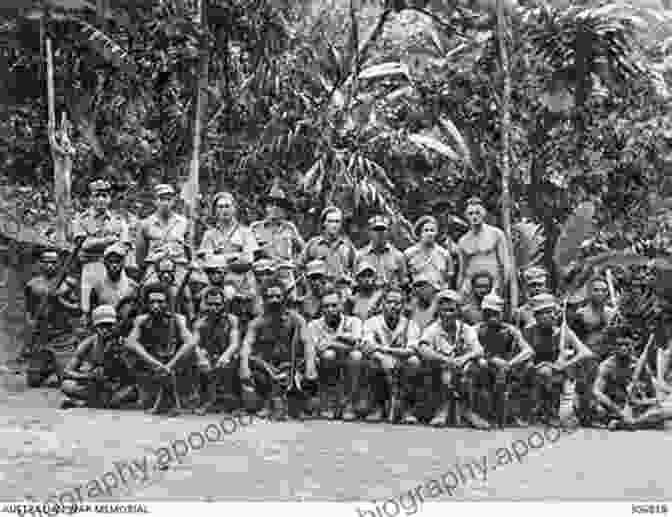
(321, 335)
(279, 240)
(546, 343)
(338, 255)
(377, 333)
(435, 263)
(90, 223)
(462, 340)
(389, 263)
(166, 236)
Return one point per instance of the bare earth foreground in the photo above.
(45, 451)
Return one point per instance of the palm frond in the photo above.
(528, 243)
(579, 227)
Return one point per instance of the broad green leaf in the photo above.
(384, 70)
(434, 144)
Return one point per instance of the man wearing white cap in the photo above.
(505, 352)
(97, 375)
(163, 234)
(449, 348)
(115, 286)
(556, 351)
(102, 228)
(367, 297)
(389, 263)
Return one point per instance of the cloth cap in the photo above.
(535, 273)
(493, 302)
(420, 223)
(263, 264)
(163, 189)
(364, 266)
(543, 301)
(104, 314)
(49, 256)
(379, 221)
(216, 262)
(425, 279)
(316, 268)
(115, 249)
(449, 294)
(99, 186)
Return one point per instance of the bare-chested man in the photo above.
(483, 248)
(115, 286)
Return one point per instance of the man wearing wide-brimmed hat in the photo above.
(163, 234)
(428, 258)
(101, 227)
(483, 247)
(388, 261)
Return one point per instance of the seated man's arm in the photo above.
(474, 347)
(188, 346)
(247, 347)
(600, 389)
(525, 350)
(309, 351)
(133, 344)
(71, 370)
(582, 351)
(234, 341)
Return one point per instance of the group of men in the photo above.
(262, 319)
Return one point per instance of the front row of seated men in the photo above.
(385, 366)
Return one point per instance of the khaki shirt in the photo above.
(320, 335)
(377, 333)
(435, 263)
(279, 240)
(159, 237)
(390, 265)
(93, 225)
(339, 255)
(463, 340)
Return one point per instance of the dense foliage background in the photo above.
(374, 105)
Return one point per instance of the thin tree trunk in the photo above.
(505, 152)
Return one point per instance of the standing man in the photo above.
(163, 234)
(482, 248)
(388, 261)
(428, 258)
(278, 237)
(332, 246)
(593, 318)
(101, 228)
(234, 242)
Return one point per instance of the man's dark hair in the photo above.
(155, 288)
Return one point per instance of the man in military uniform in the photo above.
(332, 246)
(98, 375)
(335, 338)
(276, 236)
(449, 349)
(482, 248)
(556, 352)
(268, 345)
(388, 341)
(481, 285)
(428, 258)
(506, 355)
(154, 340)
(388, 262)
(163, 234)
(216, 341)
(101, 228)
(115, 285)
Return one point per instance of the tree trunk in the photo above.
(505, 152)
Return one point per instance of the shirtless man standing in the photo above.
(482, 248)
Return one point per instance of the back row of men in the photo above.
(373, 327)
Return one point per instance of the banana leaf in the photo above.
(579, 227)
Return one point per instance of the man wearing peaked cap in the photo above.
(115, 285)
(427, 257)
(388, 261)
(332, 245)
(164, 234)
(101, 227)
(483, 247)
(505, 364)
(97, 375)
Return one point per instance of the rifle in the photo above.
(636, 374)
(40, 325)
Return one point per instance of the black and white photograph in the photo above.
(365, 257)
